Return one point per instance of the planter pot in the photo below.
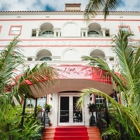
(92, 109)
(47, 109)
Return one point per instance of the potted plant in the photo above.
(48, 107)
(39, 108)
(92, 107)
(47, 119)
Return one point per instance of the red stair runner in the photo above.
(71, 133)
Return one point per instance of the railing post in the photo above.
(23, 112)
(35, 110)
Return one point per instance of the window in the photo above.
(29, 59)
(48, 33)
(93, 33)
(111, 58)
(46, 58)
(107, 33)
(125, 28)
(15, 30)
(33, 32)
(0, 28)
(99, 100)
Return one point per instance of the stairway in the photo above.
(71, 133)
(48, 133)
(93, 133)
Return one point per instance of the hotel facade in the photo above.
(61, 38)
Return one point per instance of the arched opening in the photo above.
(94, 30)
(44, 55)
(98, 53)
(71, 29)
(70, 55)
(46, 30)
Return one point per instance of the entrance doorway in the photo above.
(68, 113)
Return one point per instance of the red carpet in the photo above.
(71, 133)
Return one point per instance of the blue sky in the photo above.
(23, 5)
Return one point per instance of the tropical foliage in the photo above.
(94, 6)
(10, 126)
(126, 83)
(14, 87)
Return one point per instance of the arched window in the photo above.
(92, 33)
(46, 30)
(46, 58)
(44, 55)
(94, 30)
(48, 33)
(97, 54)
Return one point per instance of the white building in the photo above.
(61, 38)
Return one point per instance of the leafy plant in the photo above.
(39, 108)
(10, 128)
(126, 83)
(13, 87)
(48, 106)
(91, 106)
(94, 6)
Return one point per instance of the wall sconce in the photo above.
(51, 96)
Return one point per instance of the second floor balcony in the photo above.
(71, 29)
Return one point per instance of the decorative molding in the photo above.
(44, 19)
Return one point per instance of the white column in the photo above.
(59, 33)
(86, 113)
(103, 31)
(55, 109)
(86, 34)
(54, 33)
(82, 33)
(37, 32)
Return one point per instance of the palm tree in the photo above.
(126, 83)
(94, 6)
(14, 87)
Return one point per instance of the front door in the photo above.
(68, 113)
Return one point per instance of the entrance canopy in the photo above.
(75, 78)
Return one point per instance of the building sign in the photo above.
(74, 72)
(66, 43)
(82, 72)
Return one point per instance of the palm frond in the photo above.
(97, 62)
(119, 108)
(109, 5)
(10, 59)
(94, 6)
(40, 73)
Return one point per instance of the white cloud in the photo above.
(130, 5)
(20, 5)
(60, 5)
